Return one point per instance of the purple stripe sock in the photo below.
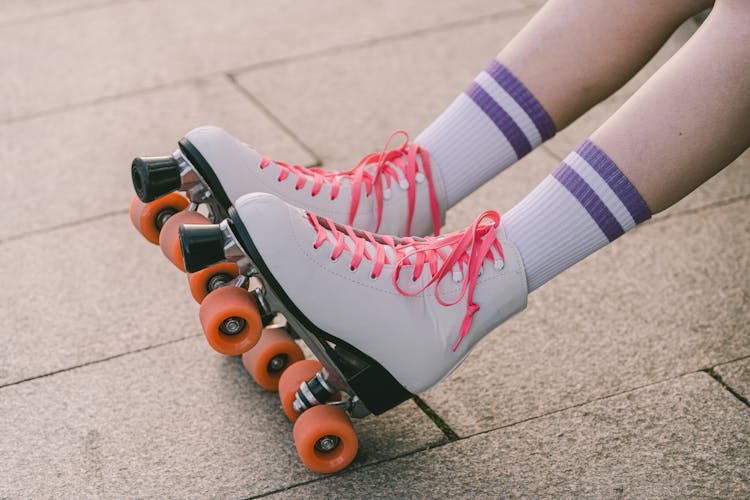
(616, 180)
(501, 119)
(589, 200)
(523, 97)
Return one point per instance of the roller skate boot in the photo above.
(394, 191)
(386, 317)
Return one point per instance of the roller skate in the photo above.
(394, 191)
(386, 317)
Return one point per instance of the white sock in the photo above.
(487, 128)
(585, 203)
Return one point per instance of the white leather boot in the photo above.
(393, 192)
(387, 317)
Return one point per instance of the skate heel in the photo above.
(158, 209)
(202, 245)
(155, 177)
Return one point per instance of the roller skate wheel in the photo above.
(136, 206)
(291, 379)
(149, 218)
(325, 439)
(169, 238)
(274, 353)
(230, 320)
(211, 278)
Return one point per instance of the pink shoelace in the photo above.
(461, 254)
(388, 166)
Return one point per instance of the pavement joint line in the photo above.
(395, 37)
(347, 471)
(547, 150)
(97, 361)
(742, 399)
(274, 119)
(66, 12)
(64, 225)
(691, 211)
(593, 400)
(279, 61)
(480, 433)
(436, 419)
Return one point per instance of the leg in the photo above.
(570, 56)
(686, 123)
(573, 54)
(691, 119)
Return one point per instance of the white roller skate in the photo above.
(386, 317)
(394, 191)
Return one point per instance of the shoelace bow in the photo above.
(461, 253)
(398, 165)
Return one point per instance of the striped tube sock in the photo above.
(487, 128)
(585, 203)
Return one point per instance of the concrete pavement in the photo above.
(107, 388)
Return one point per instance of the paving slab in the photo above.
(136, 45)
(677, 439)
(350, 101)
(170, 422)
(75, 165)
(84, 293)
(736, 375)
(667, 299)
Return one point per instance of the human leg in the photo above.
(570, 56)
(684, 125)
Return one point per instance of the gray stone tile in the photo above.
(76, 164)
(737, 376)
(83, 293)
(668, 298)
(682, 438)
(17, 11)
(171, 422)
(139, 45)
(349, 102)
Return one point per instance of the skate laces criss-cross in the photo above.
(460, 254)
(400, 165)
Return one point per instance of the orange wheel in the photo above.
(136, 207)
(230, 320)
(169, 237)
(274, 353)
(206, 280)
(325, 439)
(291, 379)
(153, 215)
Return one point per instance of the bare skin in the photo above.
(575, 53)
(692, 117)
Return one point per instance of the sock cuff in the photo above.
(513, 86)
(615, 179)
(601, 188)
